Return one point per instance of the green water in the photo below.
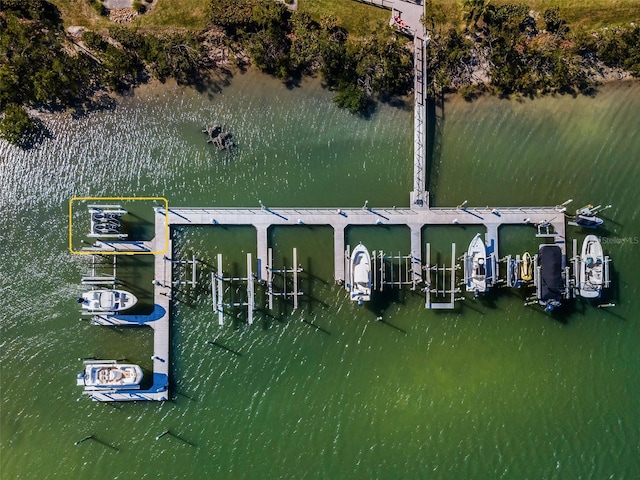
(493, 390)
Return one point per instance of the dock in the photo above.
(414, 217)
(418, 215)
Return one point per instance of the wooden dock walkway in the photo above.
(339, 219)
(158, 319)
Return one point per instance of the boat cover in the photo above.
(551, 285)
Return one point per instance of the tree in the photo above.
(16, 125)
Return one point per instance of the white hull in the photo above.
(591, 268)
(108, 374)
(360, 274)
(477, 266)
(108, 300)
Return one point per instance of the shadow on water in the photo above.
(396, 102)
(97, 440)
(308, 287)
(213, 81)
(38, 136)
(317, 327)
(293, 81)
(224, 347)
(381, 301)
(434, 133)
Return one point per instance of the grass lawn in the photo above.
(189, 14)
(579, 14)
(358, 18)
(79, 12)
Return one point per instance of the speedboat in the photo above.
(109, 374)
(477, 266)
(588, 221)
(586, 216)
(551, 282)
(360, 274)
(108, 300)
(526, 267)
(591, 277)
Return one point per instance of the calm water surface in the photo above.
(493, 390)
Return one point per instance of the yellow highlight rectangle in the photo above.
(121, 199)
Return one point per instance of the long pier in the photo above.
(262, 219)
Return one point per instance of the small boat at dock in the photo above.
(107, 300)
(360, 274)
(591, 273)
(109, 374)
(477, 266)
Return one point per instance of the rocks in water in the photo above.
(221, 139)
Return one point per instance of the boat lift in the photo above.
(294, 270)
(576, 263)
(94, 279)
(193, 262)
(386, 270)
(217, 291)
(492, 270)
(106, 222)
(395, 275)
(439, 286)
(103, 279)
(513, 279)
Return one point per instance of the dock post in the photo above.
(428, 277)
(338, 252)
(262, 234)
(382, 275)
(295, 278)
(576, 264)
(373, 269)
(269, 267)
(453, 272)
(214, 300)
(193, 271)
(250, 290)
(220, 292)
(416, 254)
(538, 272)
(347, 268)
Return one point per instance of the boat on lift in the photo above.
(586, 216)
(109, 374)
(360, 274)
(591, 273)
(107, 300)
(477, 266)
(551, 282)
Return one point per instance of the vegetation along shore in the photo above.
(61, 54)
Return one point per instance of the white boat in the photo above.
(360, 274)
(477, 266)
(109, 374)
(107, 300)
(591, 277)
